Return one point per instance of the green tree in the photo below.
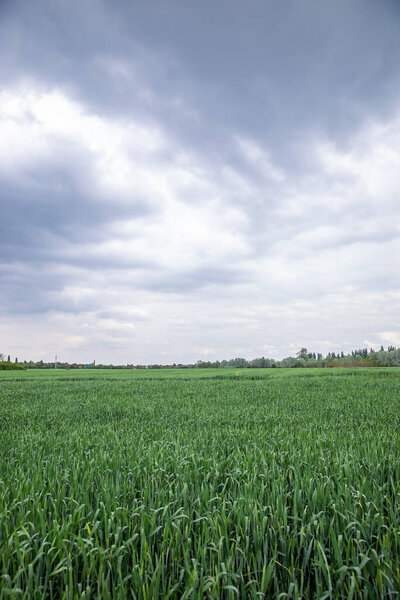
(303, 353)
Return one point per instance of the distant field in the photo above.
(200, 484)
(133, 374)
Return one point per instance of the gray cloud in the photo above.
(198, 179)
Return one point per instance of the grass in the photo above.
(200, 484)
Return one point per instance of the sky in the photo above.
(186, 180)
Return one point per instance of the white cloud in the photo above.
(259, 158)
(125, 162)
(390, 337)
(219, 260)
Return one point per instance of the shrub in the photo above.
(9, 366)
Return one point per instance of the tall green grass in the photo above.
(120, 486)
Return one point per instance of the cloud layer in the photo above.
(211, 180)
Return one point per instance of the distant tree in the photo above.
(257, 363)
(238, 363)
(288, 362)
(302, 353)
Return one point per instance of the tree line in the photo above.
(360, 357)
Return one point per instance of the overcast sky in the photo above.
(184, 180)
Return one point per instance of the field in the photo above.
(200, 484)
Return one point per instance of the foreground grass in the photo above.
(114, 485)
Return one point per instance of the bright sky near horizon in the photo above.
(198, 180)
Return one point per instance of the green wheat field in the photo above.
(200, 484)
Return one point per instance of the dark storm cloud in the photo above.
(40, 214)
(265, 67)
